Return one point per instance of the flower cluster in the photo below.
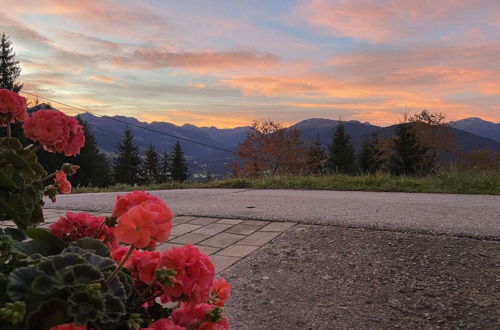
(55, 131)
(183, 276)
(144, 220)
(12, 107)
(75, 226)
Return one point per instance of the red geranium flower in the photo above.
(143, 220)
(164, 324)
(69, 326)
(75, 226)
(55, 131)
(125, 202)
(220, 292)
(12, 107)
(195, 274)
(63, 185)
(198, 317)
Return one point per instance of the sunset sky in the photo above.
(228, 62)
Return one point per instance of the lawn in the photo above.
(444, 181)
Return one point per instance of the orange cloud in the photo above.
(201, 119)
(149, 59)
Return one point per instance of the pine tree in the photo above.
(367, 160)
(94, 169)
(9, 66)
(315, 157)
(128, 162)
(341, 152)
(166, 167)
(408, 154)
(151, 166)
(179, 165)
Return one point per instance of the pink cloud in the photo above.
(387, 20)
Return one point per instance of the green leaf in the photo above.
(92, 244)
(86, 273)
(34, 247)
(50, 313)
(6, 181)
(19, 284)
(15, 233)
(43, 235)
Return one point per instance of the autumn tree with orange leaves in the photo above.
(270, 149)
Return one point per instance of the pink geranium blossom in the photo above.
(12, 107)
(75, 226)
(63, 185)
(125, 202)
(195, 274)
(55, 131)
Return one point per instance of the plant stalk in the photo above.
(9, 131)
(120, 266)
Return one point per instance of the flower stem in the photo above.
(9, 131)
(152, 297)
(50, 175)
(120, 266)
(99, 230)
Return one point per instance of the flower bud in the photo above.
(13, 312)
(69, 169)
(164, 276)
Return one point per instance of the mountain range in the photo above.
(471, 134)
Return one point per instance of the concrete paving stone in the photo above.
(237, 250)
(222, 240)
(179, 220)
(189, 238)
(165, 246)
(278, 226)
(255, 222)
(230, 221)
(243, 229)
(222, 262)
(208, 250)
(8, 223)
(259, 238)
(183, 228)
(212, 229)
(203, 221)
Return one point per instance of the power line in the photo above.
(134, 125)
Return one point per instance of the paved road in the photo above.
(469, 215)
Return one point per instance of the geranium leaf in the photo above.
(50, 313)
(94, 245)
(19, 284)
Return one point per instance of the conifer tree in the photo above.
(95, 169)
(179, 164)
(166, 167)
(127, 164)
(9, 66)
(367, 160)
(341, 152)
(408, 153)
(315, 157)
(151, 166)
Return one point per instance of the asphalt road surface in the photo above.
(463, 215)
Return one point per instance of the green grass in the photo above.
(451, 181)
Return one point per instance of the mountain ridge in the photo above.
(201, 158)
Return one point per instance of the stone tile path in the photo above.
(226, 241)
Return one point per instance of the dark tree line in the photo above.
(412, 150)
(129, 168)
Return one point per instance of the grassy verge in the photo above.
(445, 181)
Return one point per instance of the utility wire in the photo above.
(134, 125)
